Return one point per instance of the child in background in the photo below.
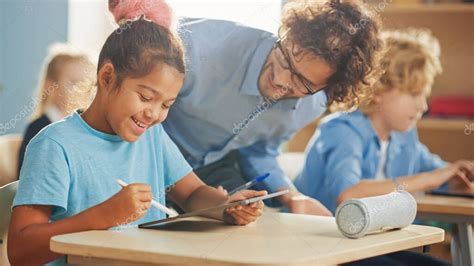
(64, 71)
(140, 73)
(375, 149)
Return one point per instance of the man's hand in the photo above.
(299, 203)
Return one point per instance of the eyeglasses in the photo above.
(294, 73)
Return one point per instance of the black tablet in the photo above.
(448, 193)
(212, 209)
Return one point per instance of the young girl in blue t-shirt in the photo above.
(68, 182)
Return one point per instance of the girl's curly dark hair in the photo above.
(346, 36)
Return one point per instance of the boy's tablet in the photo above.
(212, 209)
(450, 193)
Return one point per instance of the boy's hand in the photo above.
(460, 171)
(129, 204)
(242, 215)
(463, 178)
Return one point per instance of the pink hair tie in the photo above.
(157, 11)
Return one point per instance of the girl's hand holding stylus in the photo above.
(129, 204)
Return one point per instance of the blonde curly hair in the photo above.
(410, 64)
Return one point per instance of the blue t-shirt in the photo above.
(72, 167)
(345, 150)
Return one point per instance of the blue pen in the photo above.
(249, 184)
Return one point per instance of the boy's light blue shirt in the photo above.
(220, 108)
(72, 167)
(344, 150)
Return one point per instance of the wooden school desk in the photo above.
(456, 210)
(275, 239)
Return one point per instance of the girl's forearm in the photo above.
(30, 245)
(206, 197)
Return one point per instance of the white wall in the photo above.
(263, 14)
(89, 24)
(89, 21)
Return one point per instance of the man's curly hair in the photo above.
(345, 36)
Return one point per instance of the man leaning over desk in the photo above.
(247, 91)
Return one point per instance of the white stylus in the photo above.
(154, 203)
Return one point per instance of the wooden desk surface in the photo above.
(275, 239)
(445, 205)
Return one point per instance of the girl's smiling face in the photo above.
(138, 103)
